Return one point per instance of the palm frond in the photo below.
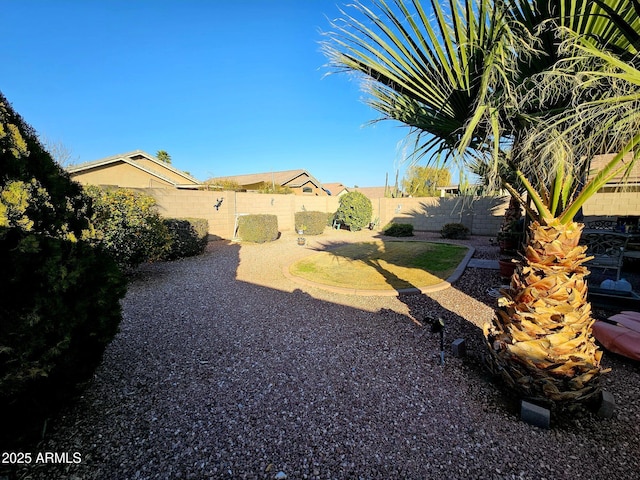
(603, 115)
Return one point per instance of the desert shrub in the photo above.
(128, 225)
(314, 222)
(60, 290)
(188, 237)
(398, 230)
(226, 185)
(266, 187)
(455, 231)
(354, 211)
(258, 228)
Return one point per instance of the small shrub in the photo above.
(455, 231)
(258, 228)
(188, 237)
(314, 222)
(128, 225)
(398, 230)
(354, 211)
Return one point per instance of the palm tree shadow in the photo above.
(369, 253)
(425, 311)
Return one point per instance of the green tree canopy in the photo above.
(422, 181)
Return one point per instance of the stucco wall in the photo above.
(122, 175)
(165, 172)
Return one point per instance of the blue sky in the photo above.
(226, 87)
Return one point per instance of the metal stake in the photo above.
(437, 326)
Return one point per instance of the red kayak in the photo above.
(620, 334)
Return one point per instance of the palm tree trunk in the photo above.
(540, 340)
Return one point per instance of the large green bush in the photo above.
(188, 237)
(128, 225)
(60, 291)
(313, 222)
(354, 211)
(258, 228)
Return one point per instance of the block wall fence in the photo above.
(483, 216)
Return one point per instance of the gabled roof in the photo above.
(335, 188)
(131, 158)
(372, 192)
(599, 162)
(289, 178)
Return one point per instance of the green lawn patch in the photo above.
(381, 265)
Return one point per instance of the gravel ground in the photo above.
(225, 368)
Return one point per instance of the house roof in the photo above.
(289, 178)
(130, 158)
(372, 192)
(599, 161)
(335, 188)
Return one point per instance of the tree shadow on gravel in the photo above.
(213, 377)
(424, 310)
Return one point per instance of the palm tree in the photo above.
(163, 156)
(491, 81)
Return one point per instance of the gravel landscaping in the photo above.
(226, 368)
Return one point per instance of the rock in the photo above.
(535, 414)
(459, 348)
(607, 405)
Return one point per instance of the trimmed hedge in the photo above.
(188, 237)
(398, 230)
(313, 222)
(258, 228)
(455, 231)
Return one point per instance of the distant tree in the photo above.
(423, 181)
(225, 185)
(271, 188)
(163, 156)
(60, 153)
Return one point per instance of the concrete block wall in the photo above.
(314, 204)
(488, 215)
(197, 204)
(613, 204)
(257, 203)
(483, 216)
(222, 221)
